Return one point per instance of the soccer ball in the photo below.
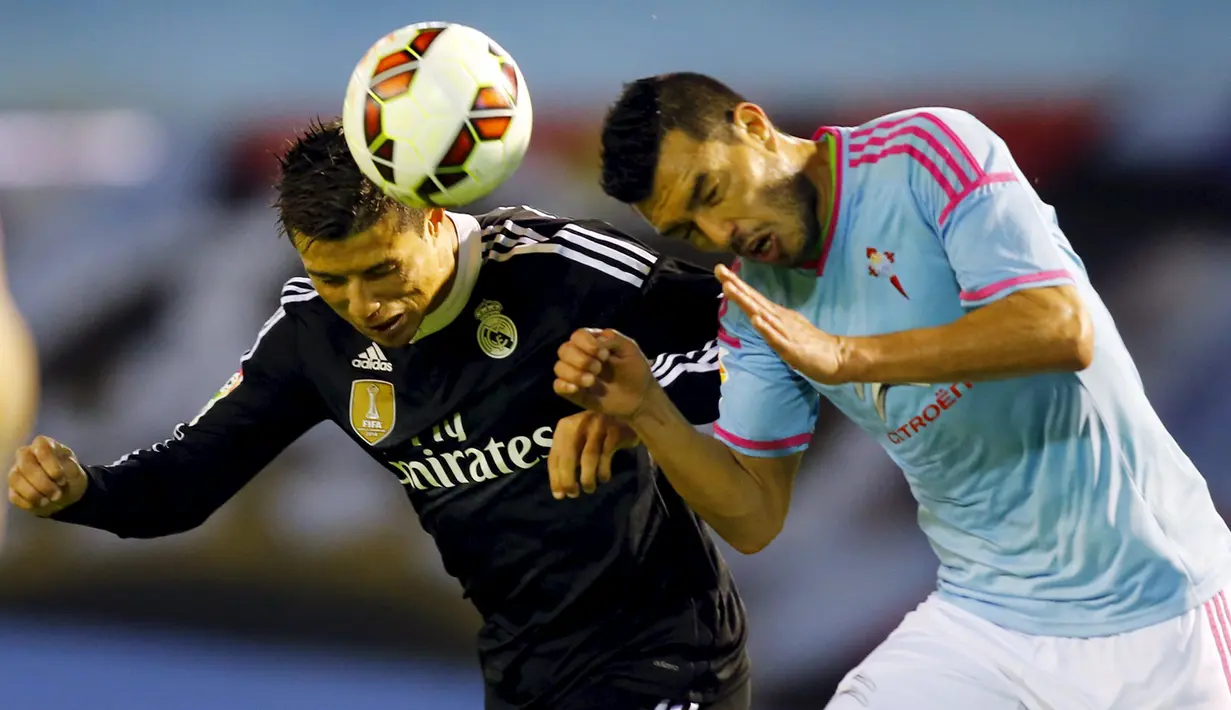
(437, 114)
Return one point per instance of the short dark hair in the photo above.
(633, 131)
(322, 194)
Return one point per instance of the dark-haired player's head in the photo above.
(380, 264)
(703, 164)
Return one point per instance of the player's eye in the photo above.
(380, 271)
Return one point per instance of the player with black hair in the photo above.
(429, 338)
(906, 270)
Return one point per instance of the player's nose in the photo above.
(717, 231)
(360, 304)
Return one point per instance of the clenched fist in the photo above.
(46, 477)
(603, 371)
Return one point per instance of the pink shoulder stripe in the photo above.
(994, 288)
(932, 143)
(787, 443)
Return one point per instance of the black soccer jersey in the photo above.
(624, 583)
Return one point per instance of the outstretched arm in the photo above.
(1027, 332)
(176, 485)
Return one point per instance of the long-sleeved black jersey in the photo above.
(623, 584)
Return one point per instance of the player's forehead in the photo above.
(685, 164)
(356, 254)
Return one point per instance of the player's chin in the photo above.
(775, 259)
(398, 335)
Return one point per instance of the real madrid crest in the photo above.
(373, 410)
(497, 334)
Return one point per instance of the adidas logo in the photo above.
(372, 359)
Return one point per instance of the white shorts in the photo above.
(944, 658)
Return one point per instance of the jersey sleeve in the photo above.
(177, 484)
(998, 235)
(606, 278)
(767, 409)
(673, 322)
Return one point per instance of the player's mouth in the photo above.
(763, 247)
(387, 327)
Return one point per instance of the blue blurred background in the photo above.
(136, 144)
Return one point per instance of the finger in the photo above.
(614, 342)
(16, 499)
(553, 460)
(63, 453)
(565, 389)
(591, 452)
(564, 480)
(610, 445)
(585, 340)
(777, 337)
(46, 452)
(748, 294)
(742, 299)
(31, 469)
(576, 357)
(27, 492)
(725, 274)
(573, 374)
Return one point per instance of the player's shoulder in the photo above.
(924, 120)
(523, 237)
(938, 151)
(300, 304)
(950, 139)
(298, 296)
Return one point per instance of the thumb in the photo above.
(66, 456)
(616, 342)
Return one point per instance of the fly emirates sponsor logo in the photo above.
(443, 460)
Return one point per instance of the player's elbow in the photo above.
(1073, 334)
(1061, 330)
(751, 544)
(753, 533)
(163, 523)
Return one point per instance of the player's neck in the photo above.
(447, 243)
(819, 169)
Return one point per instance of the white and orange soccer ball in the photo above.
(437, 114)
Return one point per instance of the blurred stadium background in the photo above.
(135, 159)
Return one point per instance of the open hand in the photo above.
(816, 354)
(589, 440)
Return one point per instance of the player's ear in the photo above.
(435, 217)
(752, 125)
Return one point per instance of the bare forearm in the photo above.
(1041, 330)
(707, 475)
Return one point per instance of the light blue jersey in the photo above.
(1058, 504)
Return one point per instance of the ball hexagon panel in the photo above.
(441, 116)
